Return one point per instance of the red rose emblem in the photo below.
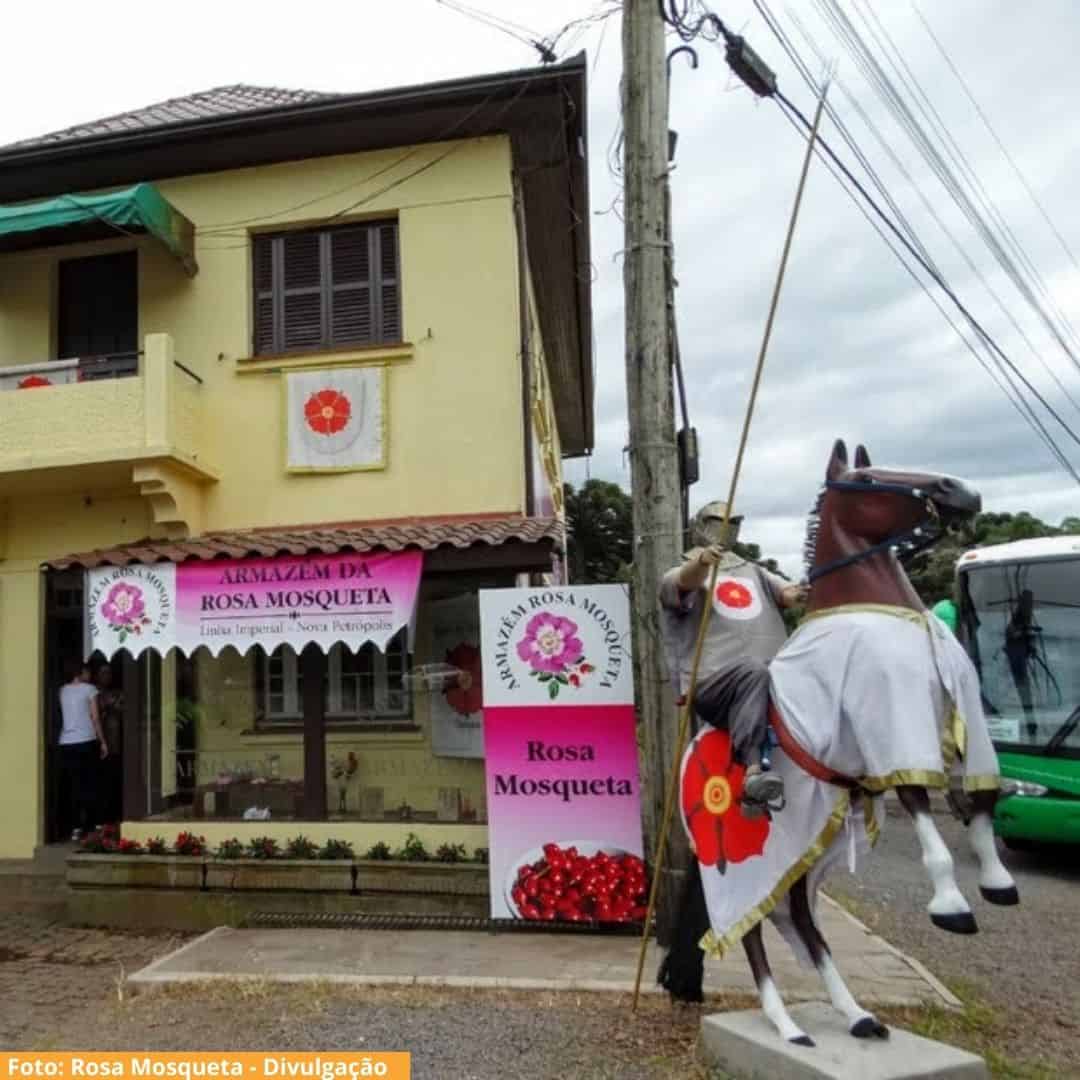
(327, 412)
(733, 595)
(712, 788)
(466, 696)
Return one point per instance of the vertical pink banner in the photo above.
(564, 797)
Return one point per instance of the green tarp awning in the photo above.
(140, 209)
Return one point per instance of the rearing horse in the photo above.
(870, 693)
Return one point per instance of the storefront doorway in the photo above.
(64, 645)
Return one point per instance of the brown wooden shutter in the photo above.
(351, 320)
(302, 292)
(389, 295)
(264, 337)
(322, 289)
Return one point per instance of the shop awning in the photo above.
(424, 534)
(69, 218)
(351, 584)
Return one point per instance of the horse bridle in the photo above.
(909, 542)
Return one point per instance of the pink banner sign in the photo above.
(293, 601)
(564, 798)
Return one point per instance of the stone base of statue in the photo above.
(746, 1046)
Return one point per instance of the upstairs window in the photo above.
(327, 288)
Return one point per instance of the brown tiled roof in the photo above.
(427, 534)
(221, 101)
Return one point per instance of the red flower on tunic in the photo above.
(732, 594)
(327, 412)
(466, 695)
(712, 790)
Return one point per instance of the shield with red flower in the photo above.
(736, 598)
(711, 803)
(335, 419)
(465, 696)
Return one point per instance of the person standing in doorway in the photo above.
(82, 745)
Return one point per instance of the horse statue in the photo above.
(870, 693)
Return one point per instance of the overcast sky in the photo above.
(858, 351)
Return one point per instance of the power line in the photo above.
(762, 81)
(1017, 402)
(912, 243)
(894, 101)
(928, 204)
(933, 118)
(1000, 379)
(1001, 146)
(976, 325)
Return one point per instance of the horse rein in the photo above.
(909, 542)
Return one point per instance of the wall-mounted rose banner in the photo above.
(239, 603)
(564, 801)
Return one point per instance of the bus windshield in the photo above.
(1020, 623)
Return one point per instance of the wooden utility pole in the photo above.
(654, 467)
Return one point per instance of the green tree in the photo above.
(932, 573)
(600, 524)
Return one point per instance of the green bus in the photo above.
(1019, 619)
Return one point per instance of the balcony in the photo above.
(108, 424)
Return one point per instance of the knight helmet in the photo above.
(707, 526)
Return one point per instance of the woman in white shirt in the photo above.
(82, 745)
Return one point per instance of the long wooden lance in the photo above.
(706, 611)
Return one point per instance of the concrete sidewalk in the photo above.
(876, 972)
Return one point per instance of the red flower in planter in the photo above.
(327, 412)
(189, 844)
(466, 695)
(712, 788)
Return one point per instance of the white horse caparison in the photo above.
(863, 517)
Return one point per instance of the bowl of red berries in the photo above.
(578, 882)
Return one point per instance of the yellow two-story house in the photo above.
(263, 328)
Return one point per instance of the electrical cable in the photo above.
(925, 262)
(928, 204)
(976, 325)
(894, 101)
(1014, 397)
(1001, 146)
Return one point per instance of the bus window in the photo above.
(1020, 623)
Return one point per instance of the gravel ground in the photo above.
(62, 988)
(1025, 961)
(472, 1035)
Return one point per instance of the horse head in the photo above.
(866, 516)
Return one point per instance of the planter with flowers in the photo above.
(105, 859)
(412, 869)
(263, 865)
(239, 877)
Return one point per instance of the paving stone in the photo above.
(746, 1046)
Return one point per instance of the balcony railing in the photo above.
(109, 366)
(70, 423)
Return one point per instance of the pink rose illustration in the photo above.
(553, 650)
(125, 610)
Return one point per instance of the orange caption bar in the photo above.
(204, 1066)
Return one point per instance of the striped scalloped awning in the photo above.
(424, 534)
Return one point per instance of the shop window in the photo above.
(200, 760)
(366, 686)
(242, 737)
(327, 288)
